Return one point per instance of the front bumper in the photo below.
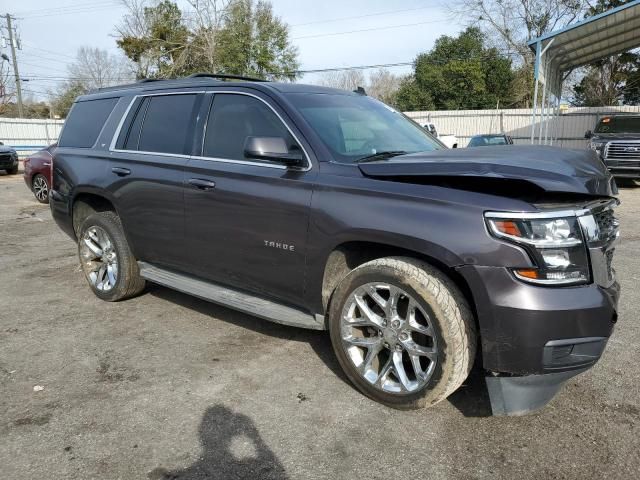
(535, 338)
(523, 326)
(7, 163)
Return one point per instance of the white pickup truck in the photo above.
(450, 141)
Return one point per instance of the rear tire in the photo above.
(425, 326)
(106, 260)
(13, 171)
(40, 188)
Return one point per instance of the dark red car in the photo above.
(37, 172)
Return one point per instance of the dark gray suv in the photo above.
(329, 210)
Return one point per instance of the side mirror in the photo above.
(273, 149)
(588, 134)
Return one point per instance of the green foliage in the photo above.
(458, 73)
(61, 103)
(165, 39)
(30, 109)
(246, 38)
(253, 41)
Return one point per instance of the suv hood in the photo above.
(551, 169)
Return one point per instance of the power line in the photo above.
(388, 12)
(347, 32)
(66, 8)
(70, 12)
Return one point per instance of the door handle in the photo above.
(202, 184)
(121, 172)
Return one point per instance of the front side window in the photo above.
(233, 118)
(355, 127)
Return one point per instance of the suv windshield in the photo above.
(619, 125)
(359, 127)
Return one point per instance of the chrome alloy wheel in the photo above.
(40, 188)
(389, 338)
(99, 259)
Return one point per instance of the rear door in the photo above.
(248, 227)
(147, 165)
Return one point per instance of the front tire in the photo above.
(13, 170)
(402, 332)
(106, 260)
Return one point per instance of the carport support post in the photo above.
(536, 69)
(543, 107)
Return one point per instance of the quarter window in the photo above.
(233, 118)
(85, 122)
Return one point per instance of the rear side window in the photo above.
(167, 121)
(85, 122)
(235, 117)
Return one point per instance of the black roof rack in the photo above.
(226, 77)
(146, 80)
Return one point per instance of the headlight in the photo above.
(597, 146)
(555, 245)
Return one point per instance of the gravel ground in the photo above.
(168, 386)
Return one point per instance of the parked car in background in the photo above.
(616, 138)
(8, 159)
(449, 140)
(490, 140)
(37, 173)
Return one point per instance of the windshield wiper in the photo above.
(381, 156)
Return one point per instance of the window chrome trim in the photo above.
(212, 159)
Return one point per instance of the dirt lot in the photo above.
(168, 386)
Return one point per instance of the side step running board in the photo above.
(231, 298)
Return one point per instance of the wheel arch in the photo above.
(350, 254)
(87, 202)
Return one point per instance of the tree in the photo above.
(96, 68)
(510, 24)
(343, 79)
(6, 85)
(255, 42)
(241, 37)
(153, 37)
(383, 85)
(62, 100)
(458, 73)
(610, 81)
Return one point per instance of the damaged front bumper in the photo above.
(533, 338)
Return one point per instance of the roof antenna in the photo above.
(360, 91)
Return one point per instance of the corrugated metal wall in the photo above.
(29, 135)
(569, 127)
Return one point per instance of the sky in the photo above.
(328, 33)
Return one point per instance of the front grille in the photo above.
(607, 225)
(602, 243)
(618, 164)
(623, 151)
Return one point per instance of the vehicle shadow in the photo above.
(231, 448)
(319, 341)
(472, 398)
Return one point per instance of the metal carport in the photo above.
(558, 53)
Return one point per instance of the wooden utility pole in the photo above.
(16, 73)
